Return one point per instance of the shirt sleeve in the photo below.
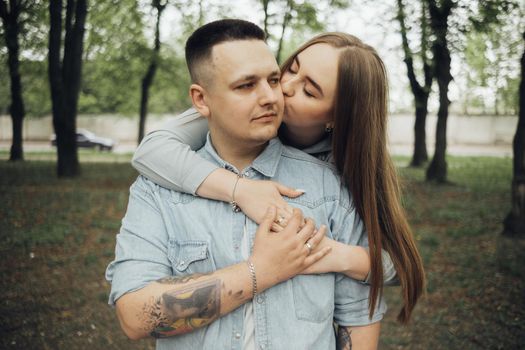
(389, 271)
(141, 253)
(351, 296)
(168, 158)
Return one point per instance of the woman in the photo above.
(338, 115)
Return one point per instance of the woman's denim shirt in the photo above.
(168, 233)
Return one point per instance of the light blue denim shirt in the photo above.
(168, 233)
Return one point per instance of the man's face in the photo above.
(243, 95)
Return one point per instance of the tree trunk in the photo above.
(64, 78)
(421, 93)
(266, 17)
(286, 20)
(11, 21)
(146, 83)
(420, 155)
(437, 170)
(514, 223)
(147, 80)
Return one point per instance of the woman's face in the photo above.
(309, 87)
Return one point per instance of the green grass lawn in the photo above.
(57, 236)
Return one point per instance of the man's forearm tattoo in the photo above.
(182, 310)
(344, 341)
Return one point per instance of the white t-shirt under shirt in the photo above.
(249, 325)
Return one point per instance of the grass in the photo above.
(57, 236)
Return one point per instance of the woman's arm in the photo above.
(351, 260)
(168, 158)
(188, 172)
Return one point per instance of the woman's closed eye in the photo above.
(308, 94)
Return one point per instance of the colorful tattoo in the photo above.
(182, 310)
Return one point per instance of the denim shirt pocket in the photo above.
(313, 297)
(190, 256)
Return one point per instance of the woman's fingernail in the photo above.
(300, 190)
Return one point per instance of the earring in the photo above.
(328, 128)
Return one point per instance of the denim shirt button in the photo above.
(247, 174)
(237, 335)
(260, 299)
(181, 264)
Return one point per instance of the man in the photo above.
(183, 267)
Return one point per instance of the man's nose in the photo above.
(268, 94)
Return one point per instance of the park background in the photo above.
(60, 210)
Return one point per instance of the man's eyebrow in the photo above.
(251, 77)
(310, 80)
(247, 77)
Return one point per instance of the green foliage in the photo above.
(35, 85)
(492, 74)
(169, 92)
(115, 55)
(298, 17)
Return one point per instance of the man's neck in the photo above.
(236, 153)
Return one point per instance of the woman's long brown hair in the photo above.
(359, 149)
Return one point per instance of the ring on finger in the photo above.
(309, 246)
(280, 220)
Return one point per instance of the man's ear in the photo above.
(199, 100)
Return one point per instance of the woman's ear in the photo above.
(199, 100)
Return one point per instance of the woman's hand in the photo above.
(254, 197)
(279, 256)
(353, 261)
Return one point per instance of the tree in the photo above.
(64, 79)
(113, 65)
(439, 15)
(147, 80)
(10, 11)
(283, 15)
(420, 92)
(514, 223)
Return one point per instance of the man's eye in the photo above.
(274, 81)
(246, 86)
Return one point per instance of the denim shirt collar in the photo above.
(266, 163)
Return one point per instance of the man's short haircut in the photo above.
(200, 44)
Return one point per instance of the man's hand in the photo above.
(279, 256)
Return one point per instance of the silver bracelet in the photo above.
(233, 203)
(254, 278)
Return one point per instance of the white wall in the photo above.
(461, 130)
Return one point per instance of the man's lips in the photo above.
(265, 117)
